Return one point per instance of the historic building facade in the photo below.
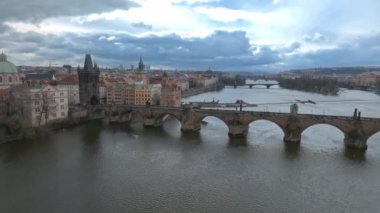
(40, 104)
(133, 94)
(70, 83)
(171, 93)
(89, 82)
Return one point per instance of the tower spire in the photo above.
(88, 66)
(141, 65)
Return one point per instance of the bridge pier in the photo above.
(237, 131)
(149, 122)
(356, 139)
(268, 86)
(250, 86)
(292, 137)
(292, 133)
(190, 127)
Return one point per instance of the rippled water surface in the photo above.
(91, 168)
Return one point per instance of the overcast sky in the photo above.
(230, 35)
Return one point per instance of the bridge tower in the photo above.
(88, 82)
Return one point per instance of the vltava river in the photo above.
(91, 168)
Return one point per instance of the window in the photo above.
(62, 113)
(36, 103)
(37, 95)
(62, 100)
(62, 106)
(61, 94)
(10, 79)
(37, 109)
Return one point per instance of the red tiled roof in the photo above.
(71, 79)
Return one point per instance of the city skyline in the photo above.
(271, 35)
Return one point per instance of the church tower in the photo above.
(88, 82)
(141, 65)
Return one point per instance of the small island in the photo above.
(323, 86)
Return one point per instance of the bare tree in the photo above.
(47, 106)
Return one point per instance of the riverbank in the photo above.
(192, 92)
(321, 86)
(14, 130)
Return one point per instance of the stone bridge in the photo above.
(250, 83)
(356, 131)
(268, 85)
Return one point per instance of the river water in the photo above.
(91, 168)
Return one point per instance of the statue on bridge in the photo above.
(294, 109)
(357, 114)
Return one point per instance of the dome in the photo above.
(6, 66)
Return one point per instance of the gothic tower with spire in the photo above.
(141, 65)
(88, 82)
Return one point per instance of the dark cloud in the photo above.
(36, 10)
(291, 47)
(221, 51)
(362, 51)
(3, 28)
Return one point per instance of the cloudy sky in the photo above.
(230, 35)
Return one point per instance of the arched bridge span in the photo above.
(356, 131)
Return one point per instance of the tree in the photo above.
(11, 102)
(48, 105)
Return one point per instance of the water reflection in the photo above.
(355, 154)
(194, 137)
(10, 152)
(291, 150)
(90, 133)
(237, 142)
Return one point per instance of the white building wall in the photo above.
(73, 92)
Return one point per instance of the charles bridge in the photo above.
(356, 130)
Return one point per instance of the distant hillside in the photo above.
(247, 73)
(335, 70)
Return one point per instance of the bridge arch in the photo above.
(215, 118)
(323, 123)
(374, 136)
(213, 128)
(133, 115)
(324, 132)
(264, 126)
(267, 120)
(162, 117)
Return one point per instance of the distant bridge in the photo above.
(250, 83)
(356, 131)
